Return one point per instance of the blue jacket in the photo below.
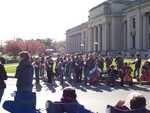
(24, 102)
(77, 109)
(14, 107)
(60, 107)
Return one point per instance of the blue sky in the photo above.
(42, 18)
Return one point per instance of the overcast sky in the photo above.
(42, 18)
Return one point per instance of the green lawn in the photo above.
(10, 68)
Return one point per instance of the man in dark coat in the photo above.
(3, 76)
(120, 65)
(24, 73)
(49, 69)
(137, 63)
(36, 65)
(78, 66)
(119, 61)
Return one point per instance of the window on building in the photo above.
(133, 41)
(134, 23)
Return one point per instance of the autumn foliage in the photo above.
(13, 47)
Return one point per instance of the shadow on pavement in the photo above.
(38, 87)
(51, 86)
(100, 87)
(134, 87)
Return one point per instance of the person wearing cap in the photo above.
(69, 103)
(3, 76)
(24, 73)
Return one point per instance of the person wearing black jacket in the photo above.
(49, 68)
(137, 63)
(36, 65)
(24, 73)
(3, 76)
(78, 65)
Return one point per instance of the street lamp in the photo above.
(82, 46)
(96, 46)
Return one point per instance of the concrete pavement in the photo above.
(94, 98)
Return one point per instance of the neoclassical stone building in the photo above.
(114, 25)
(76, 39)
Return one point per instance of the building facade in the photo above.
(114, 25)
(76, 39)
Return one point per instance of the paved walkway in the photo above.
(94, 98)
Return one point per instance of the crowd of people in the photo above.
(87, 68)
(91, 68)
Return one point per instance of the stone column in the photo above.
(139, 30)
(129, 41)
(94, 37)
(125, 36)
(82, 41)
(144, 32)
(70, 47)
(74, 44)
(86, 40)
(105, 35)
(99, 36)
(109, 37)
(68, 44)
(91, 39)
(75, 48)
